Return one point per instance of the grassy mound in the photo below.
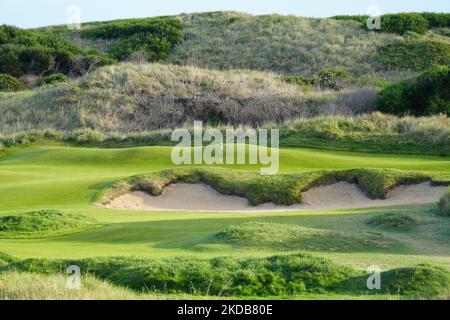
(424, 281)
(293, 237)
(392, 220)
(32, 286)
(278, 275)
(282, 189)
(444, 204)
(43, 223)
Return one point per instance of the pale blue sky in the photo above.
(33, 13)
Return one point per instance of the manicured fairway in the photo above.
(71, 179)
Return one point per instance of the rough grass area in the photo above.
(43, 223)
(444, 204)
(280, 189)
(33, 286)
(374, 132)
(293, 237)
(392, 220)
(273, 276)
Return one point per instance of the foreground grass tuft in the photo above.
(32, 286)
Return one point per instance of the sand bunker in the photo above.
(342, 195)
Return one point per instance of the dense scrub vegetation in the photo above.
(425, 95)
(154, 36)
(131, 98)
(27, 52)
(43, 223)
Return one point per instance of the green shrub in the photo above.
(437, 20)
(154, 36)
(414, 55)
(357, 18)
(403, 22)
(35, 52)
(425, 95)
(444, 204)
(52, 79)
(9, 83)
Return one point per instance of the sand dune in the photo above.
(342, 195)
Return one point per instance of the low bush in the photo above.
(154, 36)
(403, 22)
(9, 83)
(414, 54)
(52, 79)
(425, 95)
(34, 52)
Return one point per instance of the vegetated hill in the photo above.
(136, 97)
(283, 44)
(226, 40)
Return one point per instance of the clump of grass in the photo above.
(444, 204)
(43, 223)
(293, 237)
(392, 220)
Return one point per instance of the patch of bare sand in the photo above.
(342, 195)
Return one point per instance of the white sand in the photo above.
(342, 195)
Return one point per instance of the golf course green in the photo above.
(72, 180)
